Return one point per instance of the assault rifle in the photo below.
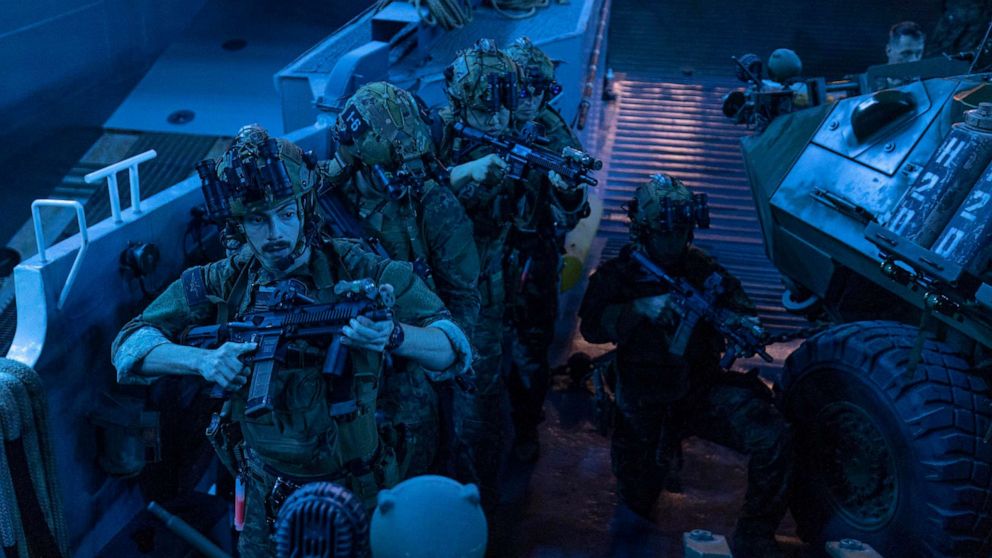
(571, 164)
(342, 220)
(282, 314)
(398, 183)
(743, 340)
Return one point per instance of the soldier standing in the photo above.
(265, 191)
(663, 397)
(535, 247)
(385, 167)
(482, 89)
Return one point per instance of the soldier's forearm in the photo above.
(428, 346)
(172, 359)
(460, 176)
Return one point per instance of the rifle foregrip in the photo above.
(335, 358)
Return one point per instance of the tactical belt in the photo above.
(285, 485)
(354, 468)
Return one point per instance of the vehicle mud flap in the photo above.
(889, 459)
(31, 517)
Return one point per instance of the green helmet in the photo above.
(382, 124)
(538, 70)
(664, 205)
(784, 65)
(482, 78)
(256, 172)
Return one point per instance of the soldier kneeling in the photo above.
(666, 393)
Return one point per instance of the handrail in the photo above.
(593, 68)
(39, 235)
(110, 173)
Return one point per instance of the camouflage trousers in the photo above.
(532, 308)
(476, 447)
(733, 413)
(408, 400)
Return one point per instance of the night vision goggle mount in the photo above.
(245, 180)
(503, 91)
(540, 84)
(674, 215)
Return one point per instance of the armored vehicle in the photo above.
(876, 210)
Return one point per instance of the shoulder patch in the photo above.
(195, 287)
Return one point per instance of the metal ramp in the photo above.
(673, 62)
(678, 128)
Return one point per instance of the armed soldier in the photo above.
(316, 426)
(386, 170)
(553, 206)
(482, 89)
(670, 383)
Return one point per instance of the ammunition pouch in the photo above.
(128, 436)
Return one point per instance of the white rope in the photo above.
(449, 14)
(519, 9)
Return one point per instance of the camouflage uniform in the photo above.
(490, 210)
(533, 262)
(663, 398)
(425, 225)
(299, 440)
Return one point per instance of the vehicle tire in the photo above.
(896, 461)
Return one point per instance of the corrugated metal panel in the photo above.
(678, 128)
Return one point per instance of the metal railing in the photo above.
(110, 173)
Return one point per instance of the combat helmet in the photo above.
(784, 65)
(257, 173)
(663, 205)
(382, 124)
(537, 69)
(482, 78)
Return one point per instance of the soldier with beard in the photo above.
(263, 190)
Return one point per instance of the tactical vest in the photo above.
(299, 437)
(398, 225)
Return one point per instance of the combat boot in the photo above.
(526, 447)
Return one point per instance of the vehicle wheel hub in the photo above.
(856, 464)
